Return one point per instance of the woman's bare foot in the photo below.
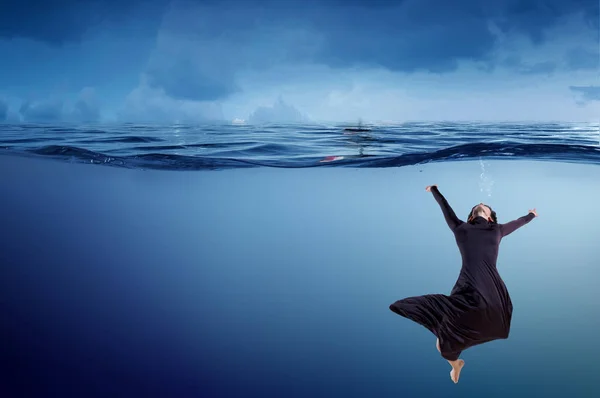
(456, 368)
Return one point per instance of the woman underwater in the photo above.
(479, 308)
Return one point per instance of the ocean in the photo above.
(260, 261)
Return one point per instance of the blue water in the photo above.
(228, 146)
(163, 278)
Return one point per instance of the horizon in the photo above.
(334, 123)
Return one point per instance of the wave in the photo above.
(189, 147)
(166, 161)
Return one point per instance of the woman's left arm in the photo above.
(512, 226)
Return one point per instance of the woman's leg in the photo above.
(456, 368)
(457, 365)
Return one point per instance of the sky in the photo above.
(197, 61)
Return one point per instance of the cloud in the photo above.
(545, 67)
(516, 64)
(59, 109)
(62, 21)
(405, 36)
(150, 105)
(3, 110)
(241, 54)
(44, 111)
(184, 73)
(7, 114)
(86, 109)
(587, 93)
(534, 17)
(581, 59)
(436, 33)
(202, 47)
(279, 112)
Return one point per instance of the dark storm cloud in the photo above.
(185, 78)
(203, 45)
(433, 32)
(588, 93)
(61, 21)
(404, 36)
(400, 35)
(533, 17)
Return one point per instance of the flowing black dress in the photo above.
(479, 308)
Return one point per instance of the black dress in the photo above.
(479, 308)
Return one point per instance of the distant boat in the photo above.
(358, 129)
(238, 121)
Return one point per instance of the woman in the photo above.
(479, 308)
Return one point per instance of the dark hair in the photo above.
(493, 214)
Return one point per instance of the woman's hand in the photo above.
(534, 212)
(428, 188)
